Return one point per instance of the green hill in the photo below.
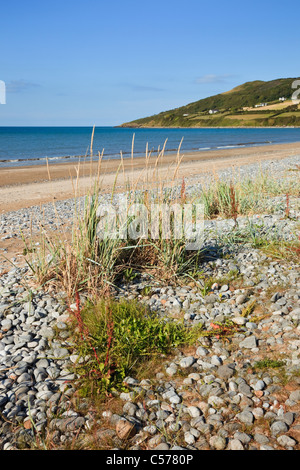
(228, 109)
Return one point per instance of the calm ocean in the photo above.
(32, 145)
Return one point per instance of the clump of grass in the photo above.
(269, 241)
(76, 260)
(81, 260)
(248, 309)
(268, 364)
(115, 337)
(206, 282)
(244, 196)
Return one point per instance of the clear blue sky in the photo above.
(72, 62)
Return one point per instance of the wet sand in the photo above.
(26, 186)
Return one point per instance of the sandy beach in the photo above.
(31, 185)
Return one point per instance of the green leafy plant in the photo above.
(114, 338)
(129, 275)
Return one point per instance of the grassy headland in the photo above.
(239, 107)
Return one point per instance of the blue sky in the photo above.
(98, 62)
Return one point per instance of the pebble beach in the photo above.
(237, 394)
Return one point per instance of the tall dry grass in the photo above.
(78, 260)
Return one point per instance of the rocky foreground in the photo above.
(238, 389)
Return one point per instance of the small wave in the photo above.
(227, 147)
(24, 160)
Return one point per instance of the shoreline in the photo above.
(22, 187)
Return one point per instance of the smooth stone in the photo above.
(225, 372)
(194, 411)
(246, 417)
(279, 427)
(187, 362)
(218, 442)
(125, 429)
(286, 441)
(235, 444)
(240, 299)
(249, 343)
(260, 385)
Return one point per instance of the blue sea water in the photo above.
(33, 145)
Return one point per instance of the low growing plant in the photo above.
(115, 337)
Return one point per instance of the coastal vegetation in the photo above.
(119, 336)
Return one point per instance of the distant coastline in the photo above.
(124, 126)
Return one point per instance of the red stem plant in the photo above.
(233, 203)
(85, 336)
(182, 191)
(287, 209)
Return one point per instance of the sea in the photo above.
(21, 146)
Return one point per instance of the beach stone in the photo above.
(260, 385)
(127, 396)
(266, 447)
(47, 332)
(288, 418)
(187, 362)
(286, 441)
(130, 408)
(245, 389)
(125, 429)
(279, 427)
(217, 442)
(211, 299)
(216, 360)
(172, 369)
(249, 343)
(60, 352)
(202, 351)
(261, 438)
(235, 444)
(242, 437)
(240, 299)
(156, 440)
(225, 372)
(189, 438)
(194, 411)
(6, 324)
(246, 417)
(173, 397)
(162, 446)
(239, 320)
(295, 395)
(258, 412)
(215, 401)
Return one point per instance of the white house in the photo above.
(213, 111)
(261, 105)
